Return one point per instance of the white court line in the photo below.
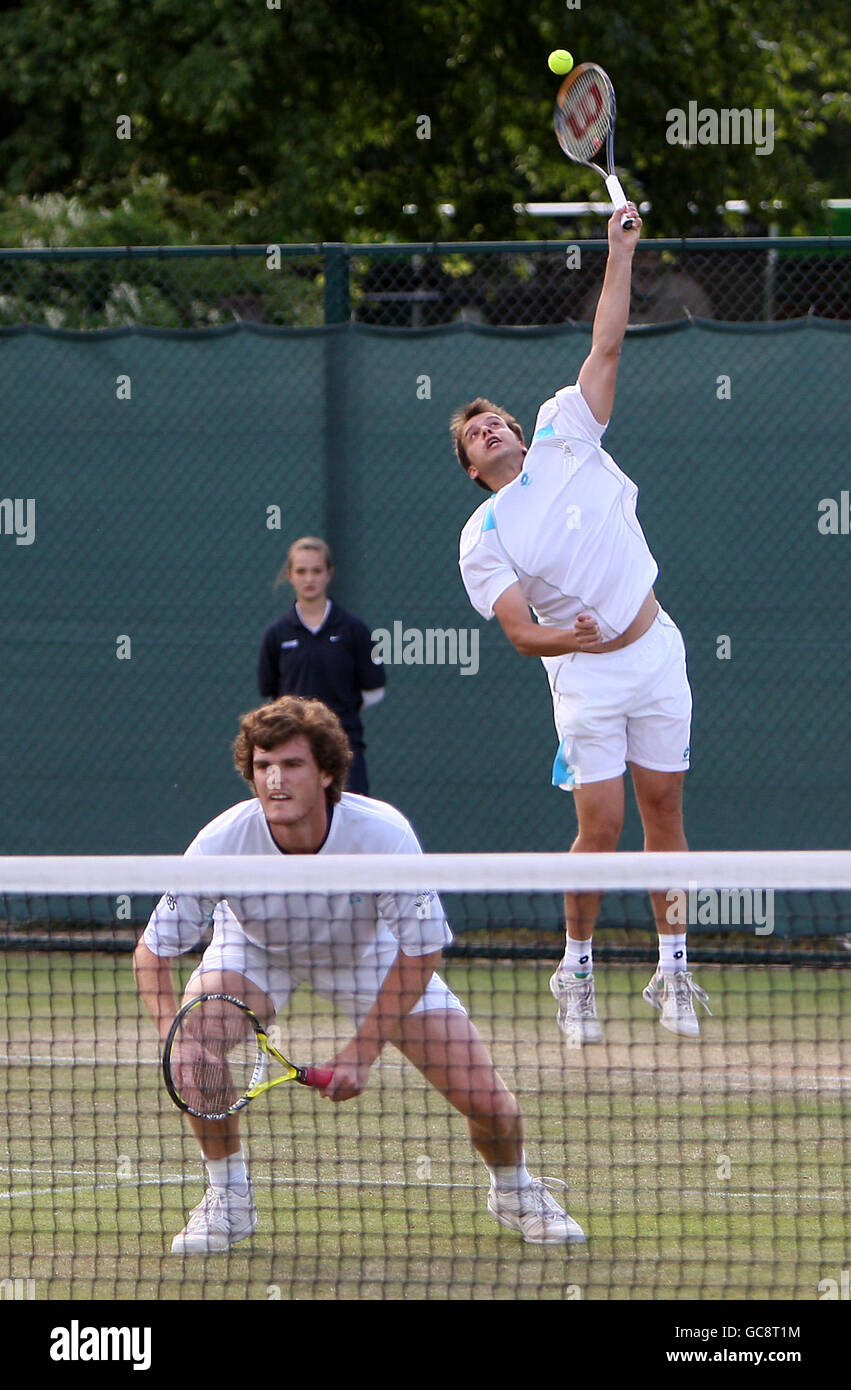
(744, 1080)
(282, 1181)
(52, 1059)
(116, 1183)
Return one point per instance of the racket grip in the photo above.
(320, 1077)
(618, 198)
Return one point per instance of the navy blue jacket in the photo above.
(333, 665)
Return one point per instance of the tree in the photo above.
(327, 121)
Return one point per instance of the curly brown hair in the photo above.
(480, 406)
(286, 718)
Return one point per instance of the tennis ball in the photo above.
(560, 61)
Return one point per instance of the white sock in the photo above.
(578, 959)
(228, 1172)
(673, 954)
(511, 1177)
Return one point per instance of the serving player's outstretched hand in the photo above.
(621, 238)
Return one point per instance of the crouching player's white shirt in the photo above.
(342, 942)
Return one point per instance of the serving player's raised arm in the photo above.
(598, 374)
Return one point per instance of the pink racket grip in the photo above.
(618, 199)
(320, 1077)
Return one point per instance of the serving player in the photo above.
(560, 535)
(374, 955)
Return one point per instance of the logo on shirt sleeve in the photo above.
(423, 905)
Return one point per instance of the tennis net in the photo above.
(710, 1167)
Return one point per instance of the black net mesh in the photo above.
(705, 1166)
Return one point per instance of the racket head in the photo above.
(214, 1057)
(584, 116)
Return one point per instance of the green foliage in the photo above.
(173, 293)
(301, 123)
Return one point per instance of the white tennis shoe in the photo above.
(674, 996)
(221, 1218)
(577, 1009)
(535, 1213)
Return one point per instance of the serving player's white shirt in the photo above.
(565, 529)
(307, 930)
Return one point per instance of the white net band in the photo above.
(494, 873)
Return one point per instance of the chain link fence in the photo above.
(419, 286)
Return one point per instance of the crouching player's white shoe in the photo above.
(535, 1213)
(577, 1008)
(221, 1218)
(674, 996)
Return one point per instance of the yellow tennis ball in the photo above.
(560, 61)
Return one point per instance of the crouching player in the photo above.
(374, 955)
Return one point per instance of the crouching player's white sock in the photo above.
(511, 1177)
(230, 1172)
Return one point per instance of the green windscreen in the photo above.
(151, 481)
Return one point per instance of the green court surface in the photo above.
(699, 1170)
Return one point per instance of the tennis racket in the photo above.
(217, 1057)
(585, 123)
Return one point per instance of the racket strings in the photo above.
(583, 117)
(214, 1057)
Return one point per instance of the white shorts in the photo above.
(631, 705)
(352, 989)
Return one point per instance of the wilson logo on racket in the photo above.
(584, 121)
(217, 1056)
(586, 111)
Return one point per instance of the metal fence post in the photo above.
(337, 303)
(337, 310)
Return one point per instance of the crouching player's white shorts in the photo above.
(351, 988)
(631, 705)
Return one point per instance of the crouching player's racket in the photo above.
(217, 1055)
(585, 123)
